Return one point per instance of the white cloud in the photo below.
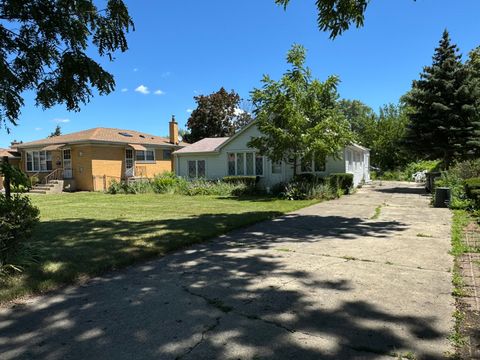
(124, 90)
(238, 111)
(38, 129)
(189, 111)
(159, 92)
(142, 89)
(61, 120)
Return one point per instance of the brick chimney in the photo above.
(173, 131)
(14, 144)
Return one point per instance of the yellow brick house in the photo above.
(89, 160)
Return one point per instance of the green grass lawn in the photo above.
(85, 234)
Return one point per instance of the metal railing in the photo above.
(56, 174)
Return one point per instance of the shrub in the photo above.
(472, 190)
(342, 181)
(17, 220)
(134, 187)
(247, 180)
(309, 177)
(459, 199)
(19, 181)
(304, 190)
(466, 169)
(168, 183)
(394, 175)
(219, 188)
(422, 165)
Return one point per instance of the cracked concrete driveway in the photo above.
(331, 281)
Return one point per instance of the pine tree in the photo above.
(443, 108)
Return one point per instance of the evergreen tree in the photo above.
(443, 108)
(56, 132)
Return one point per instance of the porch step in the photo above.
(53, 187)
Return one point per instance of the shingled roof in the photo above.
(11, 153)
(202, 146)
(105, 135)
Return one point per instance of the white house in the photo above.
(215, 158)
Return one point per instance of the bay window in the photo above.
(245, 163)
(39, 161)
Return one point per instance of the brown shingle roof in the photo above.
(204, 145)
(100, 134)
(11, 153)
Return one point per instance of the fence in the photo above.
(101, 183)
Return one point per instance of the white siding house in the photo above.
(215, 158)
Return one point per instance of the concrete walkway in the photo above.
(331, 281)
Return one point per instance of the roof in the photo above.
(360, 147)
(11, 153)
(106, 135)
(204, 145)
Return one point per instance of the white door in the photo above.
(129, 163)
(67, 164)
(277, 172)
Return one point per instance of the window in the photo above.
(40, 161)
(167, 154)
(276, 167)
(315, 165)
(145, 155)
(245, 163)
(196, 169)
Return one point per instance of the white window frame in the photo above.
(45, 162)
(196, 169)
(145, 161)
(236, 153)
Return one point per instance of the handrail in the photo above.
(53, 175)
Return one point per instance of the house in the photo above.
(13, 158)
(91, 159)
(215, 158)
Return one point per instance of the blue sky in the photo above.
(186, 47)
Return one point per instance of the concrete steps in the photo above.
(53, 187)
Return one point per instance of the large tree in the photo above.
(443, 108)
(299, 116)
(216, 115)
(46, 47)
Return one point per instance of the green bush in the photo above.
(395, 175)
(218, 188)
(305, 190)
(134, 187)
(247, 180)
(422, 165)
(342, 181)
(309, 177)
(472, 191)
(19, 181)
(17, 220)
(459, 199)
(168, 183)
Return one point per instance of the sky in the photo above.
(183, 48)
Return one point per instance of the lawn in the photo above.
(85, 234)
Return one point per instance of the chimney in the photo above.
(173, 131)
(14, 143)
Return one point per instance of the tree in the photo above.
(43, 48)
(216, 115)
(336, 16)
(56, 132)
(443, 108)
(298, 116)
(360, 118)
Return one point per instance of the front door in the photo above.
(67, 164)
(129, 163)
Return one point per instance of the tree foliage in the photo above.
(443, 107)
(43, 48)
(336, 16)
(298, 116)
(382, 133)
(216, 115)
(56, 132)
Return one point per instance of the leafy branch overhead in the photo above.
(336, 16)
(43, 48)
(298, 116)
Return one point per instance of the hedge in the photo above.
(472, 189)
(247, 180)
(341, 181)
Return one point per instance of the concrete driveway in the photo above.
(332, 281)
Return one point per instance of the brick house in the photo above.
(90, 159)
